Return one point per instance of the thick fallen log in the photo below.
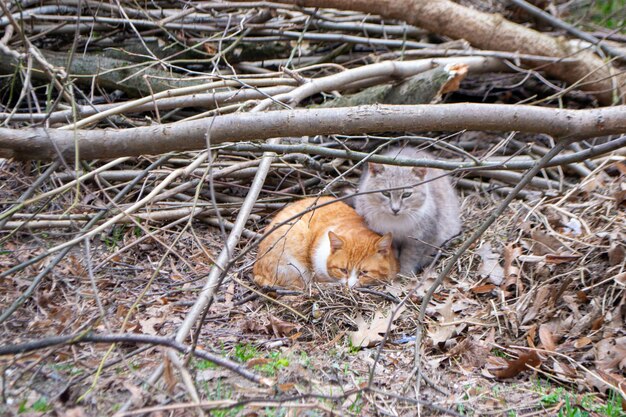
(46, 144)
(112, 73)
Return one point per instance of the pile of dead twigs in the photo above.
(146, 146)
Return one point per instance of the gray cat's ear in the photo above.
(336, 242)
(375, 169)
(420, 171)
(384, 244)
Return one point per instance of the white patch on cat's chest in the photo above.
(354, 278)
(320, 256)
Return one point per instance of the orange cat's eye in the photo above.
(364, 273)
(344, 271)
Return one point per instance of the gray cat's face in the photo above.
(397, 202)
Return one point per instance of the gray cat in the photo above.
(420, 218)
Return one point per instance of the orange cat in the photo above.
(329, 244)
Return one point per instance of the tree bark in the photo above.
(111, 73)
(492, 31)
(45, 144)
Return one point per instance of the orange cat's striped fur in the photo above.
(330, 244)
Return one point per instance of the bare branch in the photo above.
(99, 144)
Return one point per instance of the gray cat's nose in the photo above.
(395, 210)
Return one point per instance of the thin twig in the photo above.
(5, 216)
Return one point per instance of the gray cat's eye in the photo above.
(386, 194)
(407, 194)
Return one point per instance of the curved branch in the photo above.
(40, 143)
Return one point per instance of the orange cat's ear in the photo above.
(420, 171)
(384, 244)
(375, 169)
(336, 242)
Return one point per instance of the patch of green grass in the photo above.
(22, 407)
(357, 406)
(276, 362)
(203, 364)
(245, 352)
(219, 391)
(553, 397)
(541, 385)
(305, 360)
(113, 239)
(571, 410)
(499, 353)
(67, 368)
(588, 401)
(227, 412)
(610, 14)
(135, 365)
(41, 405)
(612, 407)
(353, 350)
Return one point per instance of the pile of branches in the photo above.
(150, 120)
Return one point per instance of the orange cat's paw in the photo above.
(261, 281)
(275, 282)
